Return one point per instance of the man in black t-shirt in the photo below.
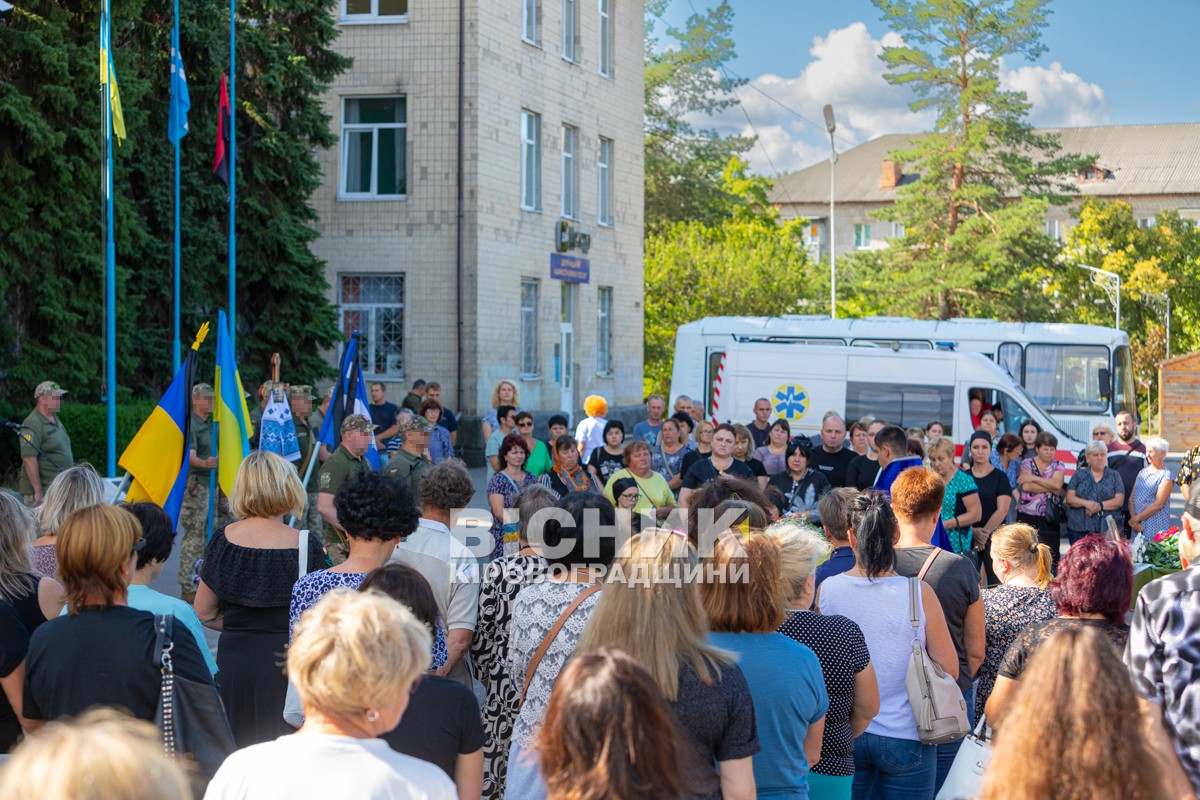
(832, 458)
(760, 428)
(721, 462)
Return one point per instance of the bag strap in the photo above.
(937, 551)
(552, 634)
(914, 617)
(302, 555)
(162, 638)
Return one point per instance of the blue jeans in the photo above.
(886, 768)
(947, 752)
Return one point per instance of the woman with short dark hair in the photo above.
(1040, 482)
(606, 460)
(502, 490)
(801, 486)
(440, 447)
(567, 475)
(773, 454)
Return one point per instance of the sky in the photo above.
(1108, 62)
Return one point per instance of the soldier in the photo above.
(193, 514)
(256, 413)
(411, 460)
(300, 398)
(316, 422)
(345, 463)
(45, 445)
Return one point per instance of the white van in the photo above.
(906, 387)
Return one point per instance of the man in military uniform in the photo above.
(256, 413)
(411, 460)
(315, 423)
(45, 445)
(300, 398)
(193, 514)
(345, 463)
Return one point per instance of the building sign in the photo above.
(571, 269)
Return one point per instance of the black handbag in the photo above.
(190, 714)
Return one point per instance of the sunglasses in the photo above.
(525, 424)
(139, 546)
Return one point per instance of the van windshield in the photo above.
(1068, 377)
(1024, 403)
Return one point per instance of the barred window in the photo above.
(374, 306)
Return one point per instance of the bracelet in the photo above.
(956, 526)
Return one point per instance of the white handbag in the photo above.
(965, 779)
(938, 706)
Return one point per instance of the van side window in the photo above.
(905, 405)
(1010, 414)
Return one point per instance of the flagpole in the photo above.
(233, 175)
(110, 252)
(212, 482)
(176, 345)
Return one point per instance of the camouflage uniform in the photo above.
(340, 468)
(193, 515)
(306, 436)
(49, 436)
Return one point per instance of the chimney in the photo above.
(891, 175)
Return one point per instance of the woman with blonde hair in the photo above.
(701, 445)
(74, 488)
(703, 684)
(353, 661)
(1067, 734)
(1022, 599)
(505, 394)
(245, 591)
(840, 647)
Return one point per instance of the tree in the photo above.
(973, 219)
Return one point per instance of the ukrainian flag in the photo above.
(157, 458)
(229, 411)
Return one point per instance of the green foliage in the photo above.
(88, 426)
(51, 257)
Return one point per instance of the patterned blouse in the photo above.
(1086, 487)
(1145, 492)
(1034, 503)
(501, 483)
(1007, 610)
(1189, 468)
(960, 486)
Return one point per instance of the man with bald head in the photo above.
(833, 458)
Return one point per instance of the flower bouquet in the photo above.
(1162, 549)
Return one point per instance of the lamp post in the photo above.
(831, 126)
(1110, 282)
(1164, 302)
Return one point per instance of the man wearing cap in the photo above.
(193, 514)
(343, 465)
(317, 421)
(300, 399)
(43, 431)
(410, 462)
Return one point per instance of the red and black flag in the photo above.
(221, 159)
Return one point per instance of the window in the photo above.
(1066, 377)
(1124, 390)
(530, 22)
(1055, 229)
(531, 161)
(604, 214)
(606, 38)
(862, 235)
(570, 21)
(570, 197)
(897, 230)
(604, 305)
(373, 148)
(1012, 358)
(1146, 222)
(374, 11)
(529, 327)
(374, 306)
(908, 406)
(1011, 413)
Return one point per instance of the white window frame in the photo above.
(530, 364)
(531, 161)
(1055, 229)
(604, 57)
(569, 180)
(898, 230)
(373, 18)
(862, 236)
(604, 182)
(570, 30)
(531, 23)
(604, 309)
(373, 127)
(367, 356)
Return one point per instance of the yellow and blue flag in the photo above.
(229, 411)
(108, 75)
(157, 458)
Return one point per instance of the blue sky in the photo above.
(1107, 62)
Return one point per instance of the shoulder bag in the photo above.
(938, 705)
(1056, 512)
(965, 778)
(552, 634)
(190, 714)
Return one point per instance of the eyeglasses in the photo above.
(139, 546)
(633, 496)
(1099, 433)
(525, 424)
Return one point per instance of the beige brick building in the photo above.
(551, 110)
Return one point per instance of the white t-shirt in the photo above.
(323, 766)
(591, 432)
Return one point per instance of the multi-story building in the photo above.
(515, 251)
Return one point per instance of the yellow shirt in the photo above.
(654, 490)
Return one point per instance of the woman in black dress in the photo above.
(245, 591)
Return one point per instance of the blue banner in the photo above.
(571, 269)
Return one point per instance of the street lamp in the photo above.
(1110, 282)
(831, 126)
(1164, 302)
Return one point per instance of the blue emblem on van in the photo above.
(791, 402)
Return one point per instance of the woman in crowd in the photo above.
(505, 394)
(539, 462)
(608, 733)
(863, 469)
(859, 437)
(961, 507)
(743, 450)
(441, 724)
(27, 599)
(502, 580)
(502, 490)
(578, 554)
(653, 492)
(567, 475)
(1189, 469)
(702, 514)
(245, 591)
(934, 430)
(1040, 482)
(839, 645)
(1150, 504)
(353, 661)
(988, 423)
(785, 678)
(889, 759)
(995, 495)
(668, 453)
(626, 493)
(1093, 590)
(440, 447)
(704, 686)
(1008, 449)
(1068, 735)
(773, 454)
(606, 460)
(1029, 433)
(686, 426)
(75, 487)
(1094, 495)
(1022, 566)
(589, 433)
(802, 487)
(101, 652)
(702, 448)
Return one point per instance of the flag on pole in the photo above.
(229, 411)
(108, 75)
(221, 159)
(349, 397)
(157, 458)
(181, 100)
(278, 429)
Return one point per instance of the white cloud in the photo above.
(1059, 98)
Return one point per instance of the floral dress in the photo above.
(1007, 611)
(506, 532)
(1189, 468)
(1145, 491)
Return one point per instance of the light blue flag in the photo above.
(278, 431)
(181, 101)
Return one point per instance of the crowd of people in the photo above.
(693, 610)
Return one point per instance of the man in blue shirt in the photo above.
(891, 445)
(832, 508)
(647, 430)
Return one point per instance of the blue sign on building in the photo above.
(571, 269)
